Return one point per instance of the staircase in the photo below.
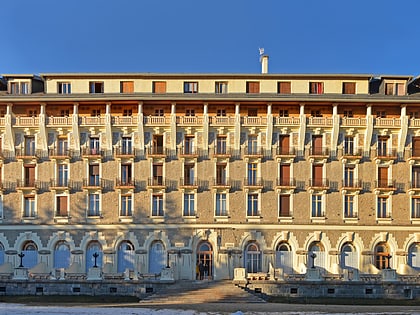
(199, 292)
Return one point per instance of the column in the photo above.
(369, 130)
(42, 144)
(335, 130)
(205, 129)
(302, 130)
(173, 127)
(108, 130)
(402, 135)
(75, 135)
(9, 142)
(269, 129)
(139, 145)
(237, 138)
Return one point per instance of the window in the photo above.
(348, 145)
(14, 88)
(316, 113)
(381, 114)
(283, 113)
(316, 87)
(383, 208)
(65, 113)
(24, 88)
(19, 88)
(93, 210)
(284, 175)
(189, 146)
(284, 88)
(284, 144)
(1, 207)
(94, 179)
(159, 87)
(159, 112)
(221, 112)
(349, 171)
(62, 146)
(415, 144)
(415, 177)
(317, 145)
(61, 206)
(348, 113)
(126, 145)
(221, 87)
(158, 174)
(96, 87)
(221, 174)
(189, 205)
(394, 89)
(127, 112)
(126, 174)
(349, 207)
(253, 87)
(126, 206)
(190, 87)
(415, 208)
(252, 209)
(157, 144)
(189, 173)
(64, 88)
(157, 205)
(94, 145)
(29, 206)
(382, 256)
(29, 175)
(253, 144)
(221, 145)
(62, 175)
(127, 87)
(252, 174)
(189, 112)
(317, 179)
(382, 145)
(253, 258)
(317, 209)
(284, 206)
(62, 255)
(252, 112)
(221, 204)
(349, 88)
(29, 146)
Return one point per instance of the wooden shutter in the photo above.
(317, 175)
(284, 144)
(284, 88)
(416, 146)
(285, 174)
(383, 176)
(253, 87)
(94, 169)
(127, 87)
(317, 145)
(349, 88)
(284, 206)
(158, 170)
(389, 88)
(159, 87)
(400, 89)
(62, 205)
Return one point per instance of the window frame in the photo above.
(190, 87)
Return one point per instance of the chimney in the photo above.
(264, 64)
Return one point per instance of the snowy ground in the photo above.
(17, 309)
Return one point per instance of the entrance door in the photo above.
(205, 260)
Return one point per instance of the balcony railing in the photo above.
(59, 121)
(95, 152)
(22, 121)
(385, 184)
(253, 182)
(285, 182)
(124, 152)
(388, 154)
(352, 153)
(92, 121)
(125, 182)
(388, 122)
(320, 121)
(58, 153)
(188, 182)
(319, 183)
(221, 182)
(188, 151)
(352, 121)
(253, 151)
(27, 183)
(157, 120)
(351, 184)
(222, 151)
(156, 151)
(254, 120)
(190, 120)
(124, 120)
(26, 152)
(94, 182)
(415, 153)
(287, 121)
(222, 120)
(324, 151)
(280, 151)
(59, 183)
(156, 181)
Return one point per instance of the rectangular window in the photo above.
(221, 174)
(158, 174)
(284, 87)
(64, 88)
(284, 144)
(415, 177)
(126, 146)
(253, 87)
(127, 112)
(382, 177)
(252, 209)
(221, 145)
(94, 179)
(127, 87)
(157, 205)
(252, 174)
(252, 144)
(394, 89)
(189, 173)
(283, 113)
(349, 88)
(415, 143)
(62, 175)
(380, 114)
(190, 87)
(382, 145)
(348, 113)
(415, 208)
(317, 145)
(93, 210)
(126, 174)
(317, 210)
(348, 145)
(29, 173)
(29, 146)
(349, 209)
(221, 112)
(316, 87)
(96, 87)
(62, 146)
(14, 88)
(189, 112)
(159, 112)
(221, 204)
(221, 87)
(1, 207)
(189, 205)
(382, 207)
(94, 146)
(62, 209)
(189, 146)
(95, 113)
(284, 175)
(349, 180)
(284, 205)
(24, 88)
(126, 206)
(159, 87)
(29, 207)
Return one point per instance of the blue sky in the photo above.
(214, 36)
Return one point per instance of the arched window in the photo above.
(349, 258)
(61, 255)
(30, 250)
(93, 249)
(125, 256)
(157, 257)
(284, 258)
(316, 256)
(382, 256)
(205, 260)
(414, 256)
(1, 254)
(253, 258)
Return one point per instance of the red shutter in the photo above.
(284, 206)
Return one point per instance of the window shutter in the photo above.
(284, 88)
(159, 87)
(62, 205)
(284, 206)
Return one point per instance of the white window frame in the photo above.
(64, 87)
(68, 204)
(388, 205)
(412, 198)
(226, 194)
(163, 204)
(1, 207)
(97, 213)
(122, 195)
(194, 214)
(35, 212)
(322, 208)
(355, 207)
(258, 214)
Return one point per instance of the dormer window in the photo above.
(96, 87)
(190, 87)
(394, 89)
(64, 88)
(316, 87)
(349, 88)
(19, 88)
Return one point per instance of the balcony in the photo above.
(285, 152)
(92, 152)
(191, 183)
(92, 120)
(22, 121)
(315, 152)
(414, 186)
(93, 183)
(353, 122)
(352, 154)
(388, 122)
(157, 120)
(287, 121)
(221, 183)
(222, 152)
(156, 182)
(253, 152)
(61, 183)
(26, 153)
(124, 120)
(124, 152)
(254, 121)
(414, 154)
(348, 184)
(27, 183)
(318, 183)
(222, 120)
(190, 120)
(385, 185)
(320, 121)
(390, 154)
(188, 151)
(57, 154)
(59, 121)
(156, 152)
(285, 182)
(127, 183)
(253, 183)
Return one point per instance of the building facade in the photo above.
(136, 172)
